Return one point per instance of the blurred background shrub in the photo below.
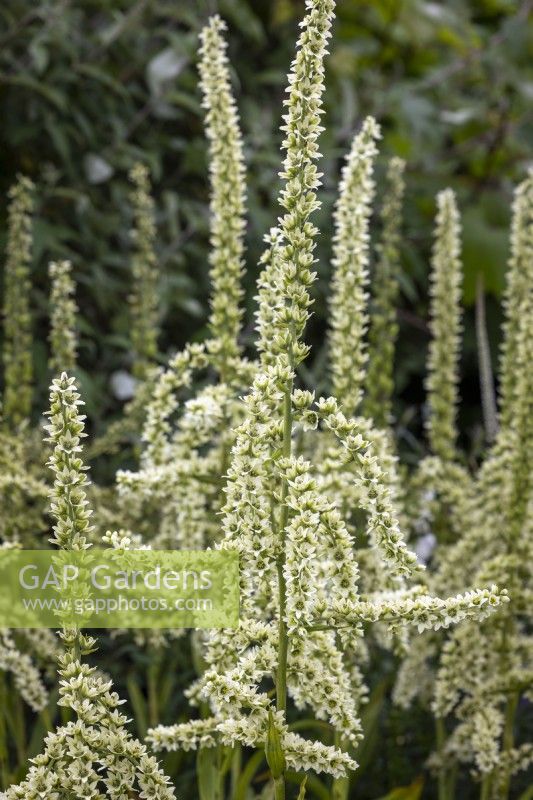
(89, 87)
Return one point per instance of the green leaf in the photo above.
(314, 785)
(207, 771)
(43, 725)
(311, 724)
(485, 249)
(370, 721)
(26, 82)
(138, 704)
(243, 17)
(247, 775)
(97, 74)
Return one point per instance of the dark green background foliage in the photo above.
(89, 87)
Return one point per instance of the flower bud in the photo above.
(273, 749)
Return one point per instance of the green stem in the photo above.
(441, 741)
(508, 743)
(242, 790)
(17, 726)
(504, 779)
(485, 788)
(283, 639)
(452, 780)
(218, 793)
(76, 647)
(4, 769)
(153, 696)
(236, 767)
(209, 772)
(281, 674)
(340, 786)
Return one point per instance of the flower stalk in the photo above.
(442, 378)
(17, 349)
(383, 329)
(144, 296)
(63, 311)
(349, 296)
(228, 198)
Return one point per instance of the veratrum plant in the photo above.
(483, 525)
(28, 661)
(25, 656)
(93, 753)
(183, 460)
(24, 485)
(187, 436)
(485, 698)
(301, 609)
(440, 485)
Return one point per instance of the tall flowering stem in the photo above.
(143, 299)
(290, 257)
(445, 289)
(63, 311)
(349, 300)
(518, 510)
(383, 330)
(519, 278)
(228, 196)
(516, 438)
(294, 258)
(286, 297)
(17, 349)
(69, 504)
(93, 755)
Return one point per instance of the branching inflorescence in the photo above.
(302, 613)
(94, 752)
(306, 490)
(484, 668)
